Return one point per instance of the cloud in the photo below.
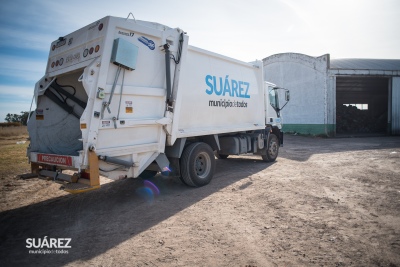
(21, 70)
(17, 93)
(35, 24)
(21, 38)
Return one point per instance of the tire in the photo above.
(197, 164)
(183, 181)
(272, 149)
(147, 174)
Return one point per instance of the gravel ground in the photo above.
(324, 202)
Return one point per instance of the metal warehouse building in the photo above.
(338, 96)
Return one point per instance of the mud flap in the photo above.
(163, 163)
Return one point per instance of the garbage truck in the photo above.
(128, 98)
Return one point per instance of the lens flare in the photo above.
(148, 191)
(152, 187)
(166, 169)
(145, 193)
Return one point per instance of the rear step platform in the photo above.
(59, 176)
(70, 183)
(74, 183)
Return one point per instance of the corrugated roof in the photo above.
(365, 64)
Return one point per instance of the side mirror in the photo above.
(287, 96)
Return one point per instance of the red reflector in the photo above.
(57, 63)
(53, 47)
(91, 51)
(53, 64)
(97, 48)
(100, 26)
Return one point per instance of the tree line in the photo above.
(18, 118)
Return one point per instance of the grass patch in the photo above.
(13, 160)
(14, 131)
(11, 135)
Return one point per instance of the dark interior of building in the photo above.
(361, 105)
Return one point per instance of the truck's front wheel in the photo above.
(272, 149)
(197, 164)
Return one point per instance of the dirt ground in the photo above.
(324, 202)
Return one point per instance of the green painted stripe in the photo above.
(313, 129)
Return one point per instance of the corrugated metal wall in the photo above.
(396, 105)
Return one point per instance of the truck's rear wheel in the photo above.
(272, 149)
(197, 164)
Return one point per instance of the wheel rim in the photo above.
(202, 165)
(273, 148)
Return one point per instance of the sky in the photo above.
(242, 29)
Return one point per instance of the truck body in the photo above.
(128, 98)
